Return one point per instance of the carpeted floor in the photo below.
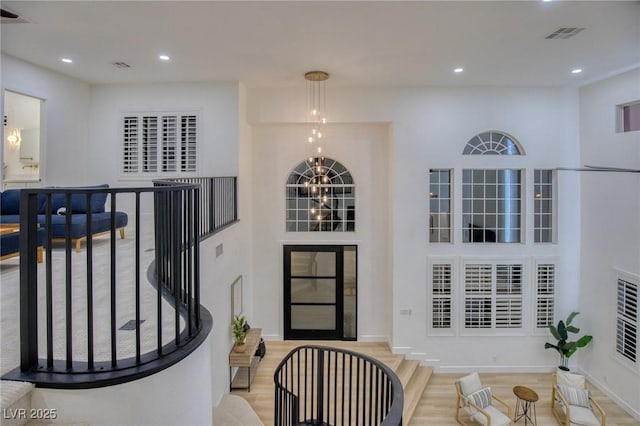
(124, 301)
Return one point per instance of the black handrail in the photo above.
(218, 201)
(174, 273)
(318, 385)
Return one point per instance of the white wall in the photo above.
(217, 104)
(65, 118)
(277, 150)
(428, 129)
(179, 395)
(610, 230)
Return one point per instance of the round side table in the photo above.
(525, 404)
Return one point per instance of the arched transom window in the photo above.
(321, 197)
(493, 143)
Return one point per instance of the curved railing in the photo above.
(317, 385)
(87, 317)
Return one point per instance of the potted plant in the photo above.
(565, 347)
(239, 331)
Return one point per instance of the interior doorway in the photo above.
(320, 292)
(22, 138)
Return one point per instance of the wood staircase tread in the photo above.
(406, 370)
(413, 391)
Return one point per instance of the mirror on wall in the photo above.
(22, 138)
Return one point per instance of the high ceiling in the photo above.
(361, 43)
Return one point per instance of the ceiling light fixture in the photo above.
(14, 138)
(576, 71)
(458, 70)
(67, 60)
(164, 57)
(317, 118)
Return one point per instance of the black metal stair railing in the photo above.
(317, 385)
(60, 348)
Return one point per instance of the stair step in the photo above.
(405, 371)
(15, 397)
(413, 391)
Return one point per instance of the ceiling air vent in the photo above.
(121, 65)
(563, 33)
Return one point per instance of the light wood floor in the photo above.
(437, 404)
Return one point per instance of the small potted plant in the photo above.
(564, 347)
(239, 331)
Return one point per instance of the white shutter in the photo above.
(169, 143)
(188, 132)
(150, 144)
(130, 144)
(160, 142)
(478, 291)
(545, 294)
(441, 295)
(508, 296)
(627, 320)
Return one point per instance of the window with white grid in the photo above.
(491, 205)
(441, 295)
(160, 143)
(493, 143)
(321, 197)
(543, 206)
(493, 295)
(545, 294)
(440, 205)
(627, 319)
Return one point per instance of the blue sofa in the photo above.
(100, 219)
(10, 243)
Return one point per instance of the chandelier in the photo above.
(318, 183)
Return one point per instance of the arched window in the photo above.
(492, 198)
(493, 143)
(321, 197)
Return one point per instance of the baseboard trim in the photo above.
(373, 338)
(400, 350)
(612, 395)
(494, 368)
(272, 337)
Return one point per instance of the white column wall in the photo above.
(428, 128)
(610, 210)
(277, 150)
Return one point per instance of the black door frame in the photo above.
(338, 333)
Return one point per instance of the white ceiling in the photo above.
(364, 43)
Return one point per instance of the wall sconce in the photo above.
(14, 138)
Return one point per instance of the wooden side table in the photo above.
(525, 404)
(246, 362)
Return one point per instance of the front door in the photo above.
(320, 292)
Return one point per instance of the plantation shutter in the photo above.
(478, 291)
(545, 294)
(508, 296)
(169, 143)
(160, 142)
(150, 144)
(188, 143)
(130, 145)
(441, 295)
(627, 320)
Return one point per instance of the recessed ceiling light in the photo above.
(66, 60)
(458, 70)
(576, 71)
(164, 57)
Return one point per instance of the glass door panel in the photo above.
(316, 288)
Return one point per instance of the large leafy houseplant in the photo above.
(565, 347)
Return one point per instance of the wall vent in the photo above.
(121, 65)
(563, 33)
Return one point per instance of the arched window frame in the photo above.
(493, 142)
(320, 197)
